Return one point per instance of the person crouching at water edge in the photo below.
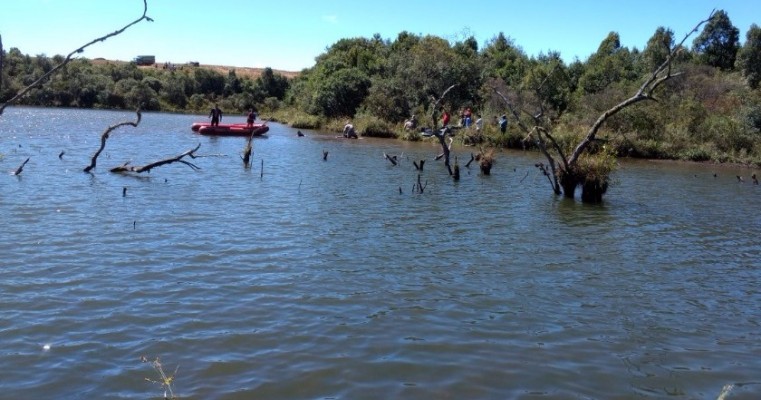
(349, 131)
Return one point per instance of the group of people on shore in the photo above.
(466, 120)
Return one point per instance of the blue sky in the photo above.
(288, 35)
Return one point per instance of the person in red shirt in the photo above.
(445, 118)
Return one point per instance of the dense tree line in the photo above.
(123, 85)
(712, 111)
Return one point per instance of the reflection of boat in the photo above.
(205, 128)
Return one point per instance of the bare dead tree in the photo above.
(564, 170)
(69, 57)
(148, 167)
(418, 187)
(441, 134)
(247, 151)
(105, 135)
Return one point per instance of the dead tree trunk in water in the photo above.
(441, 134)
(148, 167)
(247, 151)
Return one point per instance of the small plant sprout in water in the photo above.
(164, 381)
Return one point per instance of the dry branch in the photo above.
(472, 158)
(247, 151)
(147, 168)
(21, 167)
(441, 134)
(104, 136)
(391, 159)
(69, 57)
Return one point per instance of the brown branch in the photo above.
(21, 167)
(105, 136)
(540, 142)
(391, 159)
(147, 168)
(436, 106)
(71, 55)
(472, 158)
(419, 186)
(441, 134)
(247, 151)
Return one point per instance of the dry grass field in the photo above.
(242, 72)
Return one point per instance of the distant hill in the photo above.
(252, 73)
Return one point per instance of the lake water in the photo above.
(304, 278)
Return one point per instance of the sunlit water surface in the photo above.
(304, 278)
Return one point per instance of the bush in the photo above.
(375, 127)
(699, 154)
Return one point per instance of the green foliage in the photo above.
(341, 93)
(550, 78)
(372, 126)
(718, 43)
(387, 100)
(297, 118)
(749, 57)
(610, 64)
(272, 85)
(209, 81)
(501, 58)
(658, 48)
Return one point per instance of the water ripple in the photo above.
(337, 276)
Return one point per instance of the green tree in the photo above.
(341, 93)
(501, 58)
(718, 43)
(173, 92)
(658, 48)
(610, 64)
(551, 82)
(272, 84)
(749, 57)
(209, 82)
(232, 84)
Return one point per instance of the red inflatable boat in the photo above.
(205, 128)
